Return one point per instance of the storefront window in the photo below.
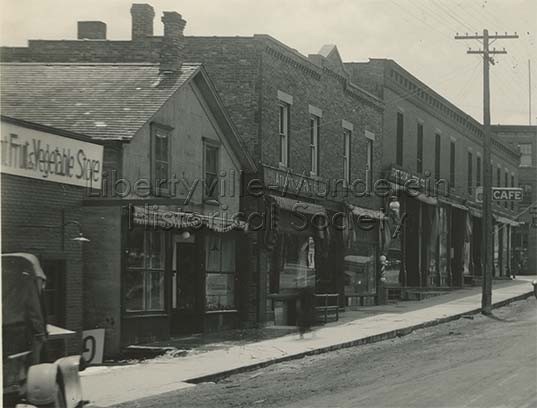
(298, 262)
(360, 269)
(220, 268)
(442, 246)
(144, 280)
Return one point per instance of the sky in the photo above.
(417, 34)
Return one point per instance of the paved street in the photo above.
(475, 362)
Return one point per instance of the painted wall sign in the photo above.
(45, 156)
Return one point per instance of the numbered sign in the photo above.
(93, 346)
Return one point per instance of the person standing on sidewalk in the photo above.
(305, 310)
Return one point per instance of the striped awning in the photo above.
(161, 217)
(303, 207)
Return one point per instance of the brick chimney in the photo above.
(142, 21)
(172, 42)
(91, 30)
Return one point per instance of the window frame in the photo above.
(470, 172)
(214, 145)
(400, 130)
(437, 154)
(419, 152)
(155, 130)
(347, 154)
(284, 113)
(478, 171)
(220, 271)
(369, 163)
(147, 270)
(452, 164)
(315, 124)
(525, 154)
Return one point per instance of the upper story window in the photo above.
(452, 164)
(525, 154)
(283, 120)
(399, 139)
(419, 162)
(437, 151)
(369, 164)
(512, 185)
(470, 172)
(160, 157)
(506, 184)
(211, 166)
(347, 155)
(478, 171)
(314, 144)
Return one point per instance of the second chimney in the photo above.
(91, 30)
(142, 21)
(172, 44)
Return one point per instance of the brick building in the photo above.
(165, 229)
(524, 138)
(308, 128)
(430, 141)
(43, 186)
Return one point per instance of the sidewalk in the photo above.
(106, 386)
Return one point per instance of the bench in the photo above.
(326, 304)
(360, 300)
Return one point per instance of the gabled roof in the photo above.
(102, 101)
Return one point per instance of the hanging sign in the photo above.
(501, 194)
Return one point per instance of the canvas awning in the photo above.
(302, 207)
(168, 219)
(505, 220)
(424, 198)
(453, 203)
(367, 212)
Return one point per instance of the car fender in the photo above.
(41, 384)
(72, 389)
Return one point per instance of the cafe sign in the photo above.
(46, 156)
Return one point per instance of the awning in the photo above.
(167, 219)
(453, 203)
(366, 212)
(505, 220)
(424, 198)
(476, 212)
(302, 207)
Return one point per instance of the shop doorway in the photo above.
(187, 283)
(458, 230)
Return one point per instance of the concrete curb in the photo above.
(366, 340)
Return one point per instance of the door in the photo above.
(188, 281)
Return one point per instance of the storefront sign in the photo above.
(501, 194)
(277, 179)
(403, 177)
(45, 156)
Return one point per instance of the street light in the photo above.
(80, 238)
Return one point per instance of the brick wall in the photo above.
(32, 222)
(102, 273)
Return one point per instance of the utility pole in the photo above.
(487, 227)
(529, 90)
